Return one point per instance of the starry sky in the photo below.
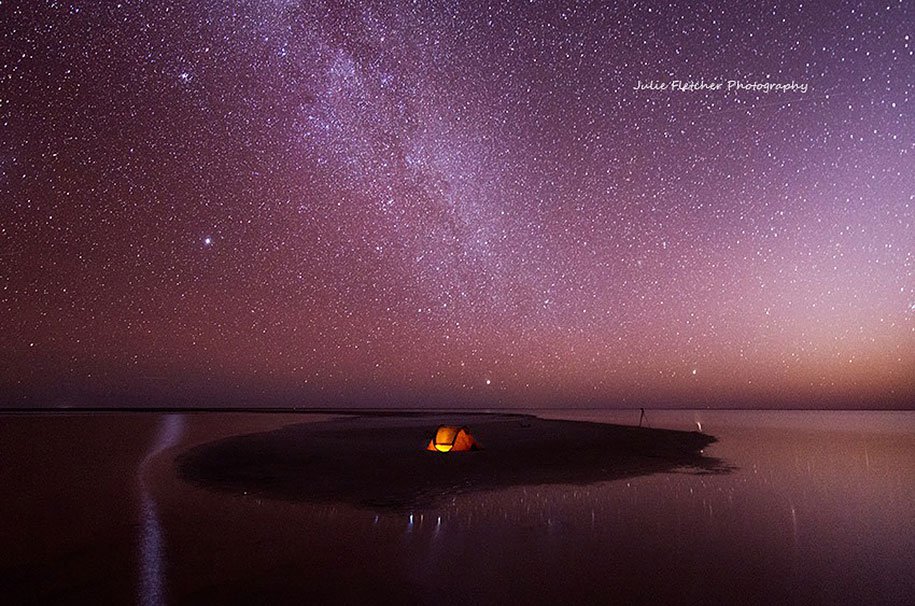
(441, 203)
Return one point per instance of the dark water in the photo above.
(819, 508)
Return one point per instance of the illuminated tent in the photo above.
(449, 438)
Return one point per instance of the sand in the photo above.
(379, 462)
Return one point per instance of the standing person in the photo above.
(642, 417)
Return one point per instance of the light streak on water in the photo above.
(152, 580)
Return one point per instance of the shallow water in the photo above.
(819, 508)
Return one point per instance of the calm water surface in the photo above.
(819, 507)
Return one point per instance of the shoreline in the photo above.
(379, 462)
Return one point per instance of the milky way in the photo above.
(444, 204)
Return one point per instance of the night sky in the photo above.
(446, 204)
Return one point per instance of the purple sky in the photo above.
(440, 204)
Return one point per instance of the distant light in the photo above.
(488, 382)
(694, 371)
(207, 241)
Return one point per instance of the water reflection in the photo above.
(151, 556)
(817, 509)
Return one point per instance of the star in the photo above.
(415, 197)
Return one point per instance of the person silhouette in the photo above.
(642, 417)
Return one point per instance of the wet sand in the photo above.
(380, 462)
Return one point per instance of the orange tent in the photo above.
(449, 438)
